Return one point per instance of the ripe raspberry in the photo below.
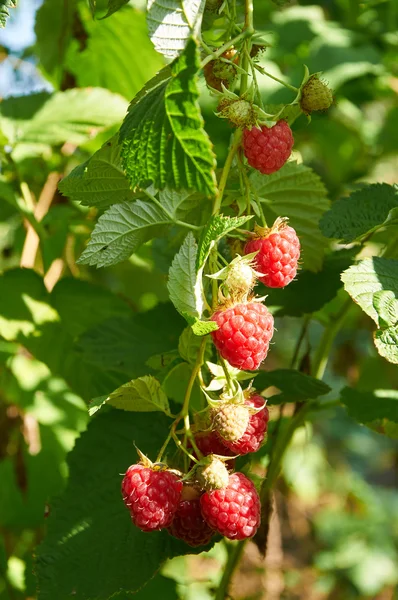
(212, 473)
(244, 334)
(315, 95)
(209, 443)
(255, 432)
(267, 149)
(278, 255)
(230, 420)
(234, 511)
(151, 496)
(189, 525)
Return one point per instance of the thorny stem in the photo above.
(227, 167)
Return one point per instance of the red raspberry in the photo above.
(151, 496)
(189, 525)
(209, 443)
(255, 431)
(278, 255)
(267, 149)
(234, 511)
(244, 334)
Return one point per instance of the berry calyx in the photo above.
(243, 335)
(256, 429)
(315, 95)
(240, 278)
(219, 73)
(152, 496)
(211, 473)
(240, 112)
(230, 420)
(278, 253)
(268, 148)
(234, 511)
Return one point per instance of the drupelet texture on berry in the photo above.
(277, 256)
(255, 432)
(234, 511)
(151, 496)
(267, 149)
(245, 331)
(230, 420)
(189, 525)
(209, 443)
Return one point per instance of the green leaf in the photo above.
(366, 407)
(163, 137)
(83, 535)
(184, 285)
(310, 291)
(371, 275)
(364, 211)
(188, 346)
(130, 57)
(172, 24)
(71, 116)
(386, 306)
(296, 192)
(201, 328)
(386, 342)
(4, 14)
(113, 6)
(100, 181)
(217, 227)
(53, 29)
(294, 386)
(139, 395)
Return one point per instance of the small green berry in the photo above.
(315, 95)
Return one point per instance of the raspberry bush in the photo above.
(188, 311)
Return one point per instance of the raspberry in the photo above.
(255, 432)
(230, 420)
(267, 149)
(209, 443)
(315, 95)
(244, 334)
(234, 511)
(240, 113)
(218, 73)
(151, 496)
(189, 525)
(240, 279)
(212, 474)
(278, 255)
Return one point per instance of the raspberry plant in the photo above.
(190, 421)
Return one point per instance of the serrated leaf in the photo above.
(125, 69)
(121, 230)
(83, 535)
(362, 212)
(183, 284)
(4, 13)
(100, 181)
(71, 116)
(53, 29)
(124, 227)
(298, 193)
(310, 291)
(201, 328)
(189, 344)
(294, 385)
(371, 275)
(173, 23)
(163, 137)
(386, 342)
(213, 231)
(366, 407)
(139, 395)
(386, 306)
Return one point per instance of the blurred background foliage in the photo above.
(64, 341)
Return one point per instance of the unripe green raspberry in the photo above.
(212, 474)
(315, 95)
(239, 112)
(230, 420)
(241, 278)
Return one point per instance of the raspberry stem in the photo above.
(284, 83)
(234, 555)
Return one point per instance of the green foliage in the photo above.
(171, 25)
(113, 6)
(363, 212)
(366, 407)
(165, 113)
(4, 12)
(101, 525)
(216, 228)
(71, 116)
(293, 385)
(296, 192)
(184, 287)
